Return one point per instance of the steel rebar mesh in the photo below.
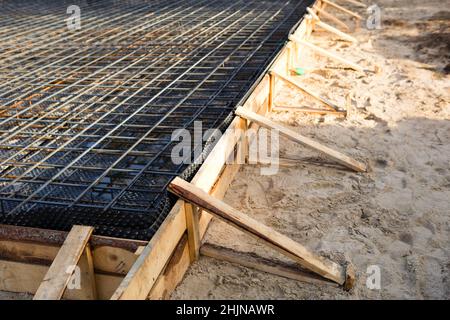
(87, 115)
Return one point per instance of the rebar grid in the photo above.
(86, 116)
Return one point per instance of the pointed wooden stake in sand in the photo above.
(190, 193)
(294, 136)
(328, 54)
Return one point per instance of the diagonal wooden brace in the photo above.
(357, 3)
(338, 7)
(294, 136)
(317, 22)
(283, 244)
(326, 53)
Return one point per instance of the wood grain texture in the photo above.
(333, 154)
(58, 276)
(269, 236)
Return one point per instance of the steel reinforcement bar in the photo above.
(87, 114)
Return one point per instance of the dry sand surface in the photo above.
(398, 215)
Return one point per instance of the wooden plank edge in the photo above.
(271, 237)
(56, 238)
(144, 273)
(110, 260)
(253, 261)
(66, 261)
(21, 277)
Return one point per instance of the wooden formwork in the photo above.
(129, 269)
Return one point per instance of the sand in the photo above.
(396, 216)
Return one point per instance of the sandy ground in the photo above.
(397, 215)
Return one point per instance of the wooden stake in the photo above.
(327, 269)
(64, 265)
(331, 29)
(328, 54)
(193, 231)
(256, 262)
(271, 91)
(314, 95)
(336, 6)
(290, 134)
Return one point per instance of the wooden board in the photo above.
(213, 176)
(179, 262)
(328, 54)
(58, 276)
(143, 275)
(310, 110)
(251, 260)
(269, 236)
(26, 277)
(193, 230)
(310, 93)
(333, 154)
(341, 8)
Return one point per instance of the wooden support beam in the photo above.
(253, 261)
(310, 110)
(327, 27)
(333, 18)
(271, 92)
(164, 261)
(26, 278)
(87, 275)
(189, 192)
(338, 7)
(62, 268)
(193, 230)
(337, 32)
(328, 54)
(314, 95)
(143, 276)
(290, 134)
(313, 14)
